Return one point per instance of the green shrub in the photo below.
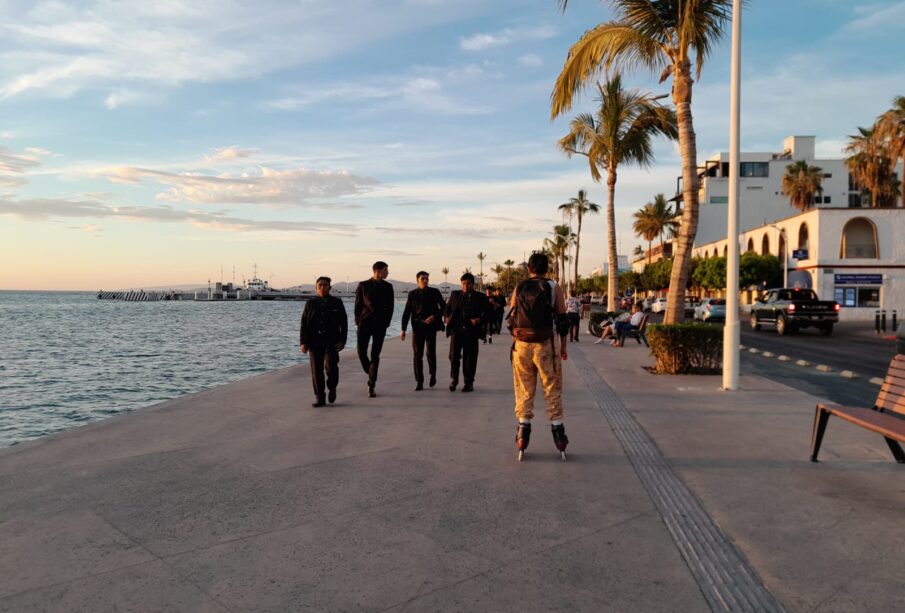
(686, 348)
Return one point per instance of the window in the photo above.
(827, 200)
(765, 245)
(719, 200)
(865, 297)
(827, 175)
(754, 169)
(750, 244)
(859, 239)
(855, 201)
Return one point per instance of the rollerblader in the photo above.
(538, 315)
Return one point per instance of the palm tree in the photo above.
(665, 37)
(870, 165)
(481, 257)
(665, 218)
(892, 128)
(646, 226)
(497, 270)
(801, 183)
(557, 246)
(577, 207)
(509, 264)
(445, 271)
(619, 133)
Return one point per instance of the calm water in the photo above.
(67, 358)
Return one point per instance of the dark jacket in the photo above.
(374, 301)
(462, 308)
(324, 323)
(421, 304)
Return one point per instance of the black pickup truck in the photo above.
(790, 309)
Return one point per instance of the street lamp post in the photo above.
(784, 239)
(731, 332)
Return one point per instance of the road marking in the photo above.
(803, 363)
(848, 374)
(754, 350)
(784, 358)
(877, 380)
(768, 354)
(824, 368)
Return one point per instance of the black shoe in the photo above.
(371, 392)
(433, 380)
(452, 386)
(468, 387)
(419, 386)
(320, 402)
(331, 396)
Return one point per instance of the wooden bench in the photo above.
(886, 417)
(639, 333)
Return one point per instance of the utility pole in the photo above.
(731, 331)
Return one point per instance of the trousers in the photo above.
(375, 337)
(530, 360)
(424, 337)
(324, 360)
(463, 349)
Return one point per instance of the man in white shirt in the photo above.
(632, 324)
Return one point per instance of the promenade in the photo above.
(676, 497)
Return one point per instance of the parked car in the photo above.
(714, 310)
(691, 303)
(658, 305)
(790, 309)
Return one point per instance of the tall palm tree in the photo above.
(801, 183)
(665, 217)
(508, 264)
(445, 271)
(558, 246)
(577, 207)
(870, 165)
(892, 128)
(646, 226)
(498, 271)
(481, 257)
(619, 133)
(665, 37)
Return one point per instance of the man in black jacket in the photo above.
(465, 316)
(374, 300)
(425, 306)
(323, 335)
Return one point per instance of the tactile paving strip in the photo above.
(726, 578)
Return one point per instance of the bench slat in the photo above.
(883, 423)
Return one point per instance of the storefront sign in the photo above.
(859, 279)
(800, 254)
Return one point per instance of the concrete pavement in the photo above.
(245, 498)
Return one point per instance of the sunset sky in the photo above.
(150, 143)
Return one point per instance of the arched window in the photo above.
(859, 239)
(714, 252)
(782, 246)
(803, 236)
(726, 251)
(750, 245)
(765, 245)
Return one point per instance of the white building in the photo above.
(845, 251)
(622, 263)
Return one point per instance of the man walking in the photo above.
(374, 300)
(538, 308)
(465, 316)
(323, 335)
(425, 306)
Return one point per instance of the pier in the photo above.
(676, 497)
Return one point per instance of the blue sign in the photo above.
(859, 279)
(800, 254)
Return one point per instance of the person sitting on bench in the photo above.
(632, 324)
(607, 331)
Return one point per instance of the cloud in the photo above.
(293, 187)
(42, 209)
(482, 41)
(57, 50)
(532, 60)
(874, 17)
(228, 154)
(14, 166)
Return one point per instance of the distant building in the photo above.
(622, 263)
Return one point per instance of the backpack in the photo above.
(531, 319)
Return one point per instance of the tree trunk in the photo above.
(649, 254)
(612, 277)
(578, 248)
(675, 304)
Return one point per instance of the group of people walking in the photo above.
(537, 315)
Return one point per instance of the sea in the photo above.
(68, 359)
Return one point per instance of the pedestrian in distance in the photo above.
(491, 317)
(538, 314)
(374, 301)
(465, 315)
(322, 335)
(501, 302)
(425, 307)
(573, 311)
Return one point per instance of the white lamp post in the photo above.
(731, 332)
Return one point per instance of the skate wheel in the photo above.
(563, 454)
(521, 455)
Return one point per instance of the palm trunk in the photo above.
(578, 248)
(649, 254)
(675, 304)
(612, 278)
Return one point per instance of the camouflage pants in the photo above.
(528, 361)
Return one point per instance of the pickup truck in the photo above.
(790, 309)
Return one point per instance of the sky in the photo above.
(147, 144)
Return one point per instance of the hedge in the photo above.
(693, 348)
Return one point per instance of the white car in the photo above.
(701, 308)
(658, 305)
